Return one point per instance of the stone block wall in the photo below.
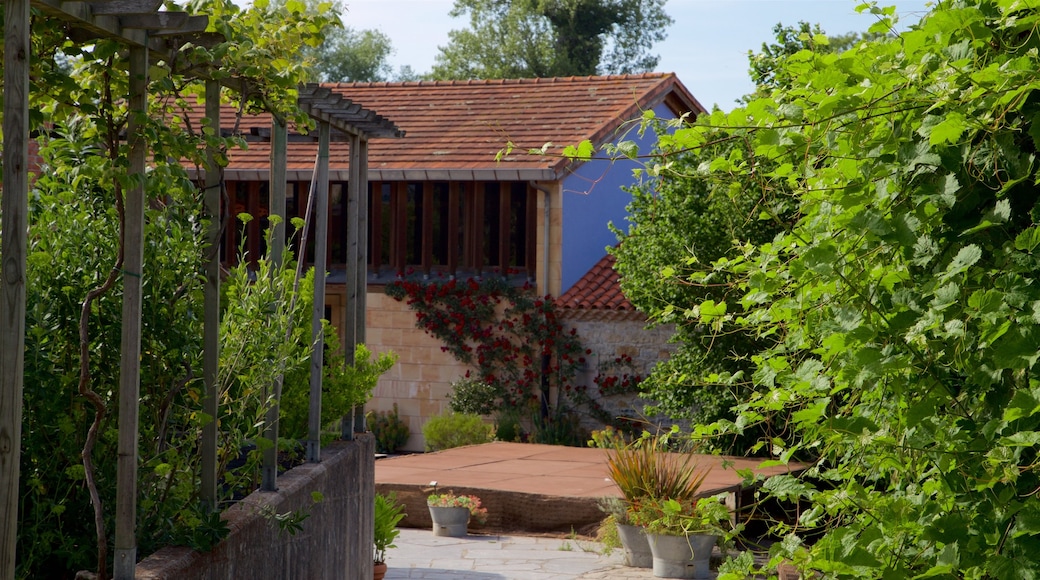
(420, 381)
(334, 544)
(610, 335)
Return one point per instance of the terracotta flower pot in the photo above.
(378, 570)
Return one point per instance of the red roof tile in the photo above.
(598, 289)
(463, 125)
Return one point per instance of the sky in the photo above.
(706, 47)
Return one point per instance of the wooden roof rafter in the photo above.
(137, 23)
(344, 115)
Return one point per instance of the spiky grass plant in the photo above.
(645, 468)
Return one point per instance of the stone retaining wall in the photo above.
(508, 511)
(335, 542)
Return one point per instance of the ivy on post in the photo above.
(362, 260)
(276, 203)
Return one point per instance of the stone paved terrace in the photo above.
(421, 555)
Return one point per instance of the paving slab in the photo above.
(421, 555)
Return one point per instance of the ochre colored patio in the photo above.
(533, 488)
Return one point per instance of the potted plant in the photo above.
(451, 513)
(682, 534)
(388, 514)
(642, 469)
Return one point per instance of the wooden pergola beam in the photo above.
(14, 204)
(321, 236)
(130, 345)
(122, 20)
(276, 191)
(125, 7)
(211, 310)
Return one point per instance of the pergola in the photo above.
(145, 30)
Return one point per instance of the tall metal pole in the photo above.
(211, 308)
(276, 207)
(14, 202)
(321, 235)
(130, 348)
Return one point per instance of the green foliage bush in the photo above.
(562, 426)
(897, 310)
(449, 430)
(343, 388)
(388, 513)
(75, 218)
(473, 396)
(508, 427)
(390, 431)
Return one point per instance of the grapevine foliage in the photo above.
(900, 310)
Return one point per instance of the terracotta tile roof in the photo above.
(460, 126)
(598, 289)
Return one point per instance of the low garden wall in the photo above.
(335, 542)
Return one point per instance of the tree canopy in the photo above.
(546, 38)
(353, 55)
(680, 224)
(898, 309)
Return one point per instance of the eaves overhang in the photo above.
(343, 174)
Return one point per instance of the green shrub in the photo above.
(561, 427)
(389, 429)
(455, 430)
(388, 513)
(343, 387)
(473, 396)
(508, 427)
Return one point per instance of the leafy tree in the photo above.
(354, 55)
(545, 38)
(765, 65)
(677, 225)
(899, 309)
(342, 53)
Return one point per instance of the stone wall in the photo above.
(335, 542)
(610, 335)
(420, 381)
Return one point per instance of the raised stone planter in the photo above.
(335, 542)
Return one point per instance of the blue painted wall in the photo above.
(592, 198)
